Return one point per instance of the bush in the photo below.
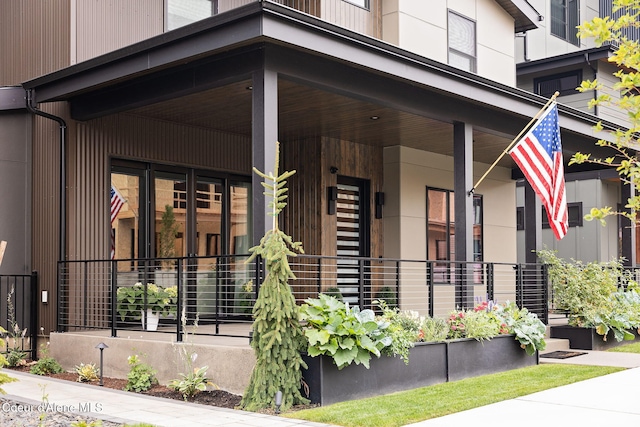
(141, 376)
(46, 365)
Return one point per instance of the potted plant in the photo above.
(148, 302)
(600, 298)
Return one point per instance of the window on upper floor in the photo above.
(565, 83)
(565, 16)
(462, 42)
(184, 12)
(362, 3)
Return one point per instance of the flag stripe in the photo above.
(117, 201)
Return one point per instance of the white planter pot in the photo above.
(151, 321)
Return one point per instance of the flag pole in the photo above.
(506, 150)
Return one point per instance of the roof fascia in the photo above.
(526, 16)
(270, 22)
(564, 60)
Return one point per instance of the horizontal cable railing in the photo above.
(218, 293)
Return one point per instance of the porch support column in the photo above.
(532, 224)
(463, 210)
(264, 131)
(628, 229)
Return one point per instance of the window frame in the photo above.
(366, 4)
(569, 8)
(563, 92)
(473, 58)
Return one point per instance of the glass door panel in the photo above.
(125, 218)
(170, 217)
(241, 275)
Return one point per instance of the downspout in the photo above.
(595, 76)
(62, 226)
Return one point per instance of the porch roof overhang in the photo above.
(319, 64)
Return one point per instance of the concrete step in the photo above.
(556, 344)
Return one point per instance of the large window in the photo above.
(462, 42)
(441, 226)
(565, 16)
(184, 12)
(164, 211)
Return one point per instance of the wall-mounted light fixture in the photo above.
(379, 204)
(333, 170)
(332, 197)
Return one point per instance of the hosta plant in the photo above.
(344, 333)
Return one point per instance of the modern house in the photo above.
(389, 111)
(551, 59)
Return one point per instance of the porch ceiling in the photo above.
(307, 112)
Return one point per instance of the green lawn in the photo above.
(627, 348)
(430, 402)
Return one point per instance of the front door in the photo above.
(352, 237)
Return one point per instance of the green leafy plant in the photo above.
(403, 329)
(277, 333)
(85, 423)
(4, 378)
(192, 383)
(132, 300)
(593, 296)
(433, 329)
(46, 364)
(526, 326)
(87, 373)
(15, 336)
(389, 295)
(141, 375)
(344, 333)
(334, 291)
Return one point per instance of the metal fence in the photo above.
(19, 313)
(218, 292)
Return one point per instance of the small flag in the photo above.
(539, 156)
(116, 203)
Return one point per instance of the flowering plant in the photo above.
(133, 300)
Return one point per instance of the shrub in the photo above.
(191, 383)
(46, 364)
(141, 376)
(403, 329)
(433, 329)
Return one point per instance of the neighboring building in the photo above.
(390, 109)
(552, 58)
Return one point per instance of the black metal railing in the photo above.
(218, 292)
(19, 313)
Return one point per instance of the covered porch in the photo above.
(386, 145)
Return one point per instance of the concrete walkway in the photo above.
(608, 400)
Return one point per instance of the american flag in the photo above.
(539, 156)
(116, 204)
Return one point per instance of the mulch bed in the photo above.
(219, 398)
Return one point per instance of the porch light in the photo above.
(374, 117)
(101, 347)
(278, 401)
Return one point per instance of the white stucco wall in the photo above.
(407, 174)
(421, 27)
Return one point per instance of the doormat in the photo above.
(562, 354)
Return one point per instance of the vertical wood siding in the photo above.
(106, 25)
(34, 39)
(90, 146)
(354, 18)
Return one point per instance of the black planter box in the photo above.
(429, 363)
(587, 338)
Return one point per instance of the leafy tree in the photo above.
(624, 142)
(277, 334)
(168, 232)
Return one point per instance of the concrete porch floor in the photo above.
(230, 359)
